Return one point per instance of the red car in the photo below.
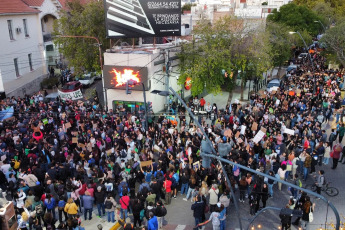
(72, 86)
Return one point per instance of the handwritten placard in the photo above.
(68, 125)
(145, 163)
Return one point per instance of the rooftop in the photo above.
(16, 7)
(33, 2)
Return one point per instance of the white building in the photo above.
(152, 58)
(22, 62)
(255, 8)
(49, 11)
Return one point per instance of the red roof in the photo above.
(15, 7)
(64, 2)
(33, 2)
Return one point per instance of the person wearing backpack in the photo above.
(38, 207)
(61, 207)
(161, 211)
(71, 208)
(123, 187)
(50, 204)
(49, 221)
(174, 179)
(100, 197)
(110, 205)
(320, 181)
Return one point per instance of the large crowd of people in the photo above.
(60, 160)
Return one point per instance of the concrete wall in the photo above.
(28, 87)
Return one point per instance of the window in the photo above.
(30, 62)
(49, 47)
(25, 28)
(16, 66)
(10, 30)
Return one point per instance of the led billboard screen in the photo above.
(142, 18)
(115, 77)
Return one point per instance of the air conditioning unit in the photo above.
(18, 30)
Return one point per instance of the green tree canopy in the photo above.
(337, 6)
(335, 40)
(280, 41)
(86, 20)
(296, 17)
(225, 45)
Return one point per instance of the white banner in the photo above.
(289, 131)
(74, 95)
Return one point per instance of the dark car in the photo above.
(72, 86)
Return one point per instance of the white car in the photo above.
(87, 79)
(302, 55)
(273, 85)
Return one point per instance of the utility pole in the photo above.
(167, 70)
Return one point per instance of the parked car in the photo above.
(71, 86)
(87, 79)
(302, 55)
(98, 75)
(291, 67)
(274, 84)
(51, 97)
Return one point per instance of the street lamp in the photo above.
(100, 59)
(323, 26)
(311, 61)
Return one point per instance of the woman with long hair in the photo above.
(191, 189)
(243, 187)
(307, 208)
(50, 204)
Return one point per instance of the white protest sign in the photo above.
(74, 95)
(289, 131)
(243, 129)
(258, 136)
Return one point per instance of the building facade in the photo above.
(154, 59)
(22, 61)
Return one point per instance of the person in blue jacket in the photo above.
(152, 224)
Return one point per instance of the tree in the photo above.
(86, 20)
(337, 6)
(228, 45)
(297, 18)
(204, 58)
(335, 40)
(281, 43)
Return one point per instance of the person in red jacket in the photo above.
(335, 154)
(202, 103)
(124, 201)
(167, 186)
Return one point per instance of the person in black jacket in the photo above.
(198, 210)
(137, 207)
(156, 189)
(161, 211)
(100, 197)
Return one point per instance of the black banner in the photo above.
(115, 77)
(142, 18)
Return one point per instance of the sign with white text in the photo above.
(142, 18)
(74, 95)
